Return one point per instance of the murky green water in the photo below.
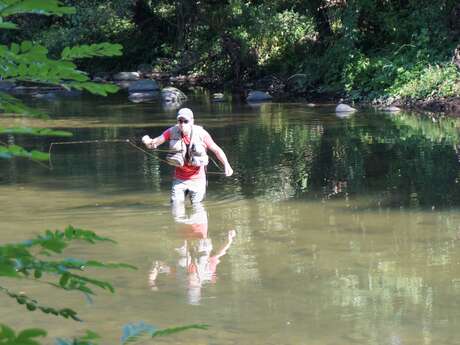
(347, 229)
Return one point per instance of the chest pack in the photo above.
(193, 154)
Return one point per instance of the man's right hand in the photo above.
(149, 142)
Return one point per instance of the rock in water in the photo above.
(172, 94)
(258, 96)
(143, 96)
(392, 109)
(344, 108)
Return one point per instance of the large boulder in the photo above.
(258, 96)
(344, 108)
(122, 76)
(143, 86)
(172, 94)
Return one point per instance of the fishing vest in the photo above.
(193, 154)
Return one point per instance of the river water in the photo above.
(333, 230)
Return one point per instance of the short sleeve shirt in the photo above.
(190, 172)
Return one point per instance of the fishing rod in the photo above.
(131, 142)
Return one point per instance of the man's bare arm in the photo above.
(222, 158)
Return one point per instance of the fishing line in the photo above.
(121, 141)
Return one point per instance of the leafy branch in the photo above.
(29, 62)
(48, 7)
(17, 260)
(32, 305)
(86, 51)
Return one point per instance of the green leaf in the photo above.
(39, 156)
(10, 104)
(7, 25)
(31, 333)
(90, 335)
(26, 46)
(64, 279)
(6, 332)
(86, 51)
(173, 330)
(44, 7)
(7, 270)
(95, 88)
(93, 263)
(18, 151)
(37, 274)
(35, 132)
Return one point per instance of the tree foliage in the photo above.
(28, 61)
(361, 48)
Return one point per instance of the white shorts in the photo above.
(195, 188)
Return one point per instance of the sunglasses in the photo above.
(182, 121)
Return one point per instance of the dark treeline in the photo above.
(363, 49)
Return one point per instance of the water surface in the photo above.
(346, 227)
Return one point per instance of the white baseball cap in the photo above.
(185, 113)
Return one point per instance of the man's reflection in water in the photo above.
(196, 261)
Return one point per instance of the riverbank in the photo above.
(450, 106)
(280, 91)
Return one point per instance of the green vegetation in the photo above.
(362, 49)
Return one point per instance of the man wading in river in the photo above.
(190, 143)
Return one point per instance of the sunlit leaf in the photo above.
(173, 330)
(7, 270)
(44, 7)
(7, 332)
(35, 132)
(10, 104)
(17, 151)
(7, 25)
(86, 51)
(90, 335)
(95, 88)
(31, 333)
(93, 263)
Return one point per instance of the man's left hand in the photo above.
(228, 170)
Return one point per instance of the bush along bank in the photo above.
(413, 80)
